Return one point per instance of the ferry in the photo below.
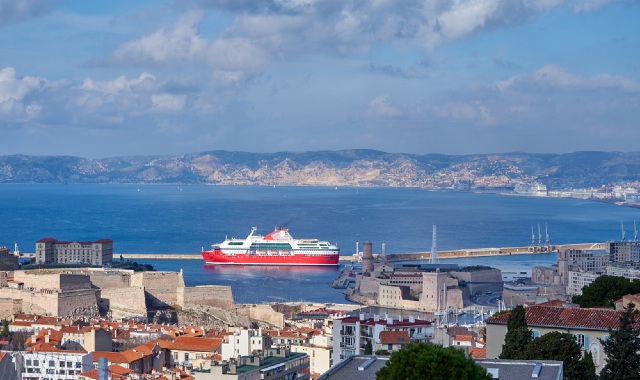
(276, 248)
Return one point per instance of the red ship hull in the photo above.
(217, 257)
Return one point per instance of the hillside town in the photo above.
(87, 322)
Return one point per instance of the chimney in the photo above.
(389, 320)
(412, 319)
(376, 318)
(362, 316)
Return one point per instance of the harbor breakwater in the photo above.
(412, 256)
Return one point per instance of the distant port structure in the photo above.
(448, 254)
(538, 246)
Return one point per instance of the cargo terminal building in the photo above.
(52, 251)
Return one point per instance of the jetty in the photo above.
(411, 256)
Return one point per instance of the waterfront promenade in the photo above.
(461, 253)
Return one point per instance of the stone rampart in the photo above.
(484, 275)
(76, 302)
(9, 307)
(38, 278)
(108, 279)
(33, 302)
(209, 295)
(124, 302)
(161, 287)
(74, 282)
(264, 313)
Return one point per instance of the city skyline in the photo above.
(470, 76)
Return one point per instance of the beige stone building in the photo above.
(49, 293)
(8, 260)
(588, 326)
(52, 251)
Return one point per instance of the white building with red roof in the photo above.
(589, 326)
(350, 334)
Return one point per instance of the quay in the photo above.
(394, 257)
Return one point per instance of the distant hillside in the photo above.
(331, 168)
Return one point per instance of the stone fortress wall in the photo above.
(124, 293)
(209, 295)
(161, 287)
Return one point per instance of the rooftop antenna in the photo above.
(622, 226)
(434, 251)
(546, 231)
(539, 235)
(635, 231)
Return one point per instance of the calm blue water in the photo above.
(184, 219)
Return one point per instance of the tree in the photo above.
(5, 328)
(428, 361)
(563, 347)
(368, 347)
(622, 348)
(605, 290)
(518, 335)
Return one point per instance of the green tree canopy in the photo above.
(605, 290)
(418, 361)
(622, 348)
(518, 335)
(565, 348)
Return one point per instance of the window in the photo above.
(583, 341)
(535, 334)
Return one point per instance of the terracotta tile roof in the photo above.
(115, 371)
(463, 338)
(394, 337)
(477, 352)
(42, 347)
(112, 357)
(137, 353)
(460, 330)
(21, 323)
(26, 317)
(184, 343)
(52, 321)
(75, 330)
(540, 315)
(54, 337)
(164, 344)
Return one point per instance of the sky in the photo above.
(110, 78)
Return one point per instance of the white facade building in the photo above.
(351, 334)
(244, 342)
(60, 365)
(578, 280)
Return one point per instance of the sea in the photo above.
(178, 219)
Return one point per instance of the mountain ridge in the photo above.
(351, 167)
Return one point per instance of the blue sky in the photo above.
(109, 78)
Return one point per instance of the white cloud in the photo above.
(168, 102)
(182, 43)
(15, 94)
(12, 11)
(116, 86)
(276, 30)
(381, 107)
(560, 78)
